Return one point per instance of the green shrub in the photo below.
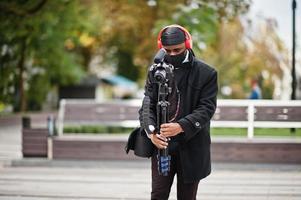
(96, 129)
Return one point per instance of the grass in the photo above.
(273, 132)
(239, 132)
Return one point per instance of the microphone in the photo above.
(159, 57)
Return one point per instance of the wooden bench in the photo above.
(88, 112)
(252, 114)
(229, 113)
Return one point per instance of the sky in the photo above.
(281, 10)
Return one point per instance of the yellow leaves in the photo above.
(86, 40)
(2, 106)
(69, 44)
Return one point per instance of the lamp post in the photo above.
(293, 97)
(294, 82)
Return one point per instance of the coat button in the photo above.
(197, 124)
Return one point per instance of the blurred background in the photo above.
(101, 50)
(72, 75)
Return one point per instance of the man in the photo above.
(256, 91)
(187, 136)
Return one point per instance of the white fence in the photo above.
(248, 114)
(282, 119)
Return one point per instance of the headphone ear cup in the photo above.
(159, 44)
(187, 44)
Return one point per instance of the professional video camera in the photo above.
(162, 70)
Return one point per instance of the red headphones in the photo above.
(188, 39)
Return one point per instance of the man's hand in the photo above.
(166, 130)
(159, 141)
(170, 129)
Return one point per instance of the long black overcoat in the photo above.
(197, 106)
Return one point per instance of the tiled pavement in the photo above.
(33, 179)
(10, 144)
(131, 180)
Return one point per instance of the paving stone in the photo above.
(131, 180)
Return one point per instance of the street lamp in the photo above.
(294, 82)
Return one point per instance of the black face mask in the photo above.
(176, 60)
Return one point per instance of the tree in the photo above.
(50, 43)
(34, 55)
(127, 34)
(221, 36)
(245, 53)
(268, 58)
(45, 43)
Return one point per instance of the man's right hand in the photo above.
(159, 141)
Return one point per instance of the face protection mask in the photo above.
(176, 60)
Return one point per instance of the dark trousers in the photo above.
(161, 185)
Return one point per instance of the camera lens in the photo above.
(160, 75)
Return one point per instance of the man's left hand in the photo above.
(170, 129)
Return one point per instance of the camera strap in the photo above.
(178, 106)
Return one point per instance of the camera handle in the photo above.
(162, 117)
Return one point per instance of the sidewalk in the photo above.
(39, 178)
(10, 144)
(130, 180)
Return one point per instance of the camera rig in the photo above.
(162, 74)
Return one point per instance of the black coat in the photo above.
(198, 104)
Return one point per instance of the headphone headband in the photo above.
(188, 39)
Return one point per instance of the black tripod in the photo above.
(162, 117)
